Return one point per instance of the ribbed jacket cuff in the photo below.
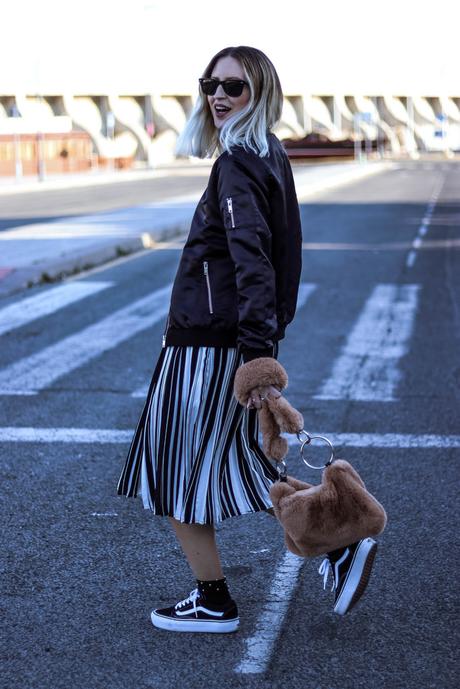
(250, 354)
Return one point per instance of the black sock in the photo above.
(214, 591)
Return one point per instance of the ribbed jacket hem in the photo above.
(202, 337)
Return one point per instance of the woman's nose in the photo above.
(220, 91)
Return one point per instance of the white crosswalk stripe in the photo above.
(11, 434)
(38, 371)
(306, 289)
(367, 369)
(260, 646)
(45, 303)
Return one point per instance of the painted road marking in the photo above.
(141, 392)
(422, 230)
(14, 434)
(306, 289)
(43, 304)
(367, 368)
(104, 514)
(64, 435)
(38, 371)
(411, 256)
(260, 646)
(390, 440)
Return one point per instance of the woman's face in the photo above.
(227, 68)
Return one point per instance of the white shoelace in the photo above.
(191, 599)
(324, 569)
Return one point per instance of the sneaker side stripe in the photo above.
(200, 608)
(357, 577)
(337, 565)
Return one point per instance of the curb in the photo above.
(59, 269)
(55, 271)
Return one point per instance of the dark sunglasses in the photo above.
(232, 87)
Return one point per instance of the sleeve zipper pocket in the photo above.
(208, 285)
(230, 210)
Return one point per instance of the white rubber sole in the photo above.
(213, 626)
(358, 577)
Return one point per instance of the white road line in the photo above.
(104, 514)
(422, 230)
(43, 304)
(367, 369)
(64, 435)
(411, 256)
(38, 371)
(141, 392)
(259, 647)
(306, 289)
(390, 440)
(396, 441)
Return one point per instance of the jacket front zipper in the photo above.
(165, 331)
(208, 285)
(230, 210)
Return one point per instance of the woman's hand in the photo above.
(260, 394)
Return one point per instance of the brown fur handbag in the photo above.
(316, 518)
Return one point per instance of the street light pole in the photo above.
(17, 151)
(40, 156)
(357, 140)
(411, 117)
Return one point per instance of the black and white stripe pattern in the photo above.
(195, 453)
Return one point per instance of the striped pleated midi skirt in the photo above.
(195, 454)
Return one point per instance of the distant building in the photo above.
(68, 133)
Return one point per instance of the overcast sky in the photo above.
(393, 46)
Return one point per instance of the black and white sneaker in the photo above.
(351, 568)
(194, 614)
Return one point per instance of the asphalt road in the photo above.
(44, 206)
(373, 351)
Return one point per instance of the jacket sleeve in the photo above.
(243, 191)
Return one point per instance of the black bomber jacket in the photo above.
(238, 277)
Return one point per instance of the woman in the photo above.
(195, 455)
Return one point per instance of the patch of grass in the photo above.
(120, 251)
(46, 278)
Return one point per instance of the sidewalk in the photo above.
(50, 251)
(28, 184)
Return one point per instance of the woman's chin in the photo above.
(220, 121)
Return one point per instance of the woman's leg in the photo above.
(218, 611)
(198, 543)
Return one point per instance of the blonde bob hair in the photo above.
(249, 126)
